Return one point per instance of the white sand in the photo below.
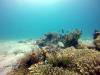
(88, 42)
(10, 51)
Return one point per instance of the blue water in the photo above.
(33, 18)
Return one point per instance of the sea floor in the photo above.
(11, 51)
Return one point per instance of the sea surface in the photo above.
(32, 18)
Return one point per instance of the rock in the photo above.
(97, 43)
(96, 34)
(97, 40)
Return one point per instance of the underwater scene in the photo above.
(49, 37)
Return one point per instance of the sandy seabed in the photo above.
(10, 52)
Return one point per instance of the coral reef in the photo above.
(49, 38)
(47, 69)
(83, 61)
(68, 61)
(97, 40)
(71, 39)
(60, 40)
(59, 54)
(96, 34)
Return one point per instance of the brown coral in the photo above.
(47, 69)
(83, 61)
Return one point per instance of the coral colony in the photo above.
(61, 54)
